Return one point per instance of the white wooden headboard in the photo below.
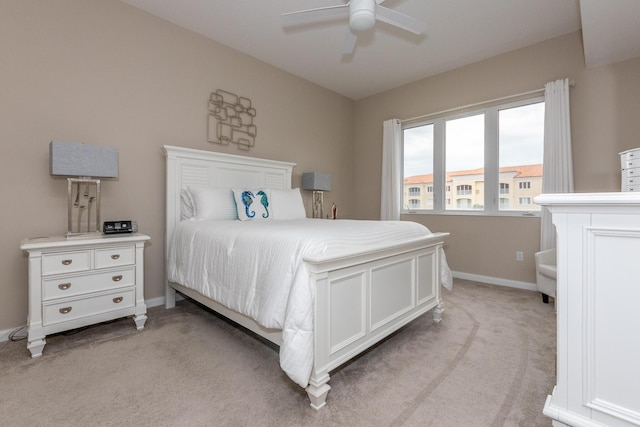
(187, 166)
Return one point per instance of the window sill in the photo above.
(522, 214)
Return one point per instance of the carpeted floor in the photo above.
(491, 362)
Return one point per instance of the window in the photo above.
(462, 190)
(464, 149)
(414, 204)
(418, 158)
(487, 161)
(463, 204)
(520, 136)
(414, 192)
(524, 185)
(524, 201)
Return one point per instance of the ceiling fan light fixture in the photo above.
(362, 15)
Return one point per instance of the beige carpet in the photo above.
(489, 363)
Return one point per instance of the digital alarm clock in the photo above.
(115, 227)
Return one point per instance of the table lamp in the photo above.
(82, 163)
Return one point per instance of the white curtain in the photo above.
(558, 166)
(391, 170)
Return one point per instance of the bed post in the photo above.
(437, 312)
(169, 296)
(172, 209)
(318, 389)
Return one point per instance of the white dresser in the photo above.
(598, 303)
(630, 170)
(82, 281)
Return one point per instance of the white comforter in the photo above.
(256, 268)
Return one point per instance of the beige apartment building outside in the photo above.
(465, 189)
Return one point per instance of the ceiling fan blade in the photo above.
(400, 20)
(349, 43)
(313, 15)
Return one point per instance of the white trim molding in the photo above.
(495, 281)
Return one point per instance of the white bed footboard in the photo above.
(362, 298)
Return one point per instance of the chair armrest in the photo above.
(547, 257)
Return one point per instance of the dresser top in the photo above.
(589, 199)
(84, 240)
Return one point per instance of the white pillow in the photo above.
(186, 205)
(253, 204)
(212, 203)
(287, 204)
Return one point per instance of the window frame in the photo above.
(441, 205)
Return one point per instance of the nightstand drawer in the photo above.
(67, 262)
(113, 257)
(67, 286)
(78, 308)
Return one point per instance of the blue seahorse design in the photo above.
(264, 201)
(247, 199)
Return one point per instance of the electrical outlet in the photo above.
(519, 256)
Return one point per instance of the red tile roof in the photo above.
(524, 171)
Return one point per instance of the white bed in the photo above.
(354, 295)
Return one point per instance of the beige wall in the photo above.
(605, 119)
(102, 72)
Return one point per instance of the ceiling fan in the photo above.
(362, 16)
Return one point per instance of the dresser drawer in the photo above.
(67, 262)
(630, 159)
(66, 286)
(78, 308)
(114, 257)
(630, 173)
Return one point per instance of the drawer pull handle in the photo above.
(117, 300)
(117, 278)
(64, 286)
(115, 256)
(67, 261)
(65, 310)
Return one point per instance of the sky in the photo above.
(520, 134)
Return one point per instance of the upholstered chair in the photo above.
(546, 273)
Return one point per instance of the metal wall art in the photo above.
(231, 120)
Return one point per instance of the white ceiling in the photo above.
(459, 32)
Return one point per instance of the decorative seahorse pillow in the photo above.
(253, 204)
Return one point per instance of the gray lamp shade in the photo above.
(73, 159)
(316, 181)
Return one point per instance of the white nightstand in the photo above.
(82, 281)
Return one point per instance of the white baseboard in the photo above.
(4, 335)
(495, 281)
(154, 302)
